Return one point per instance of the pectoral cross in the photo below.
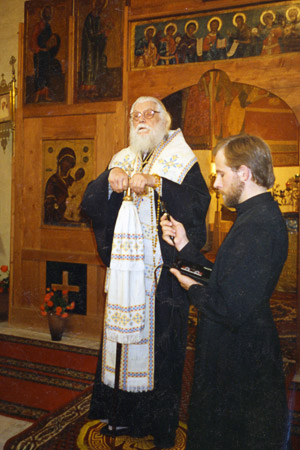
(65, 285)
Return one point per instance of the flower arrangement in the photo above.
(4, 278)
(56, 302)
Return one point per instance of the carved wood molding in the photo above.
(32, 254)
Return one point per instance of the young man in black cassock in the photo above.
(164, 169)
(238, 400)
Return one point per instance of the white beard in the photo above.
(145, 143)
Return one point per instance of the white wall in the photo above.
(12, 13)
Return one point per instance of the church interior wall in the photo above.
(11, 15)
(105, 123)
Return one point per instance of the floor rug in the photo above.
(69, 427)
(38, 377)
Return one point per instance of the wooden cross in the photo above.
(65, 285)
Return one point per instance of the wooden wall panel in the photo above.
(31, 182)
(69, 239)
(103, 145)
(17, 221)
(93, 290)
(30, 284)
(110, 136)
(106, 123)
(61, 255)
(69, 127)
(278, 74)
(30, 280)
(54, 110)
(96, 295)
(39, 243)
(140, 9)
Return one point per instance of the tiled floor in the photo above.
(10, 427)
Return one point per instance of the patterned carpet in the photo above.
(38, 377)
(69, 428)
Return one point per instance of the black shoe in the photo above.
(167, 442)
(108, 431)
(138, 433)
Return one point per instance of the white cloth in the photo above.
(126, 299)
(172, 160)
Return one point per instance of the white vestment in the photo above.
(171, 160)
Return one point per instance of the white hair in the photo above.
(166, 118)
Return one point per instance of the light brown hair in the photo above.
(252, 152)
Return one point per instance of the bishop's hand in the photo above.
(140, 181)
(118, 180)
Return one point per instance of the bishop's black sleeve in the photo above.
(242, 279)
(103, 213)
(188, 203)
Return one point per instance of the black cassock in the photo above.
(153, 412)
(238, 400)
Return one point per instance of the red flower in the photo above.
(4, 268)
(47, 297)
(71, 306)
(58, 311)
(56, 302)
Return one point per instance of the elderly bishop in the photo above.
(158, 167)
